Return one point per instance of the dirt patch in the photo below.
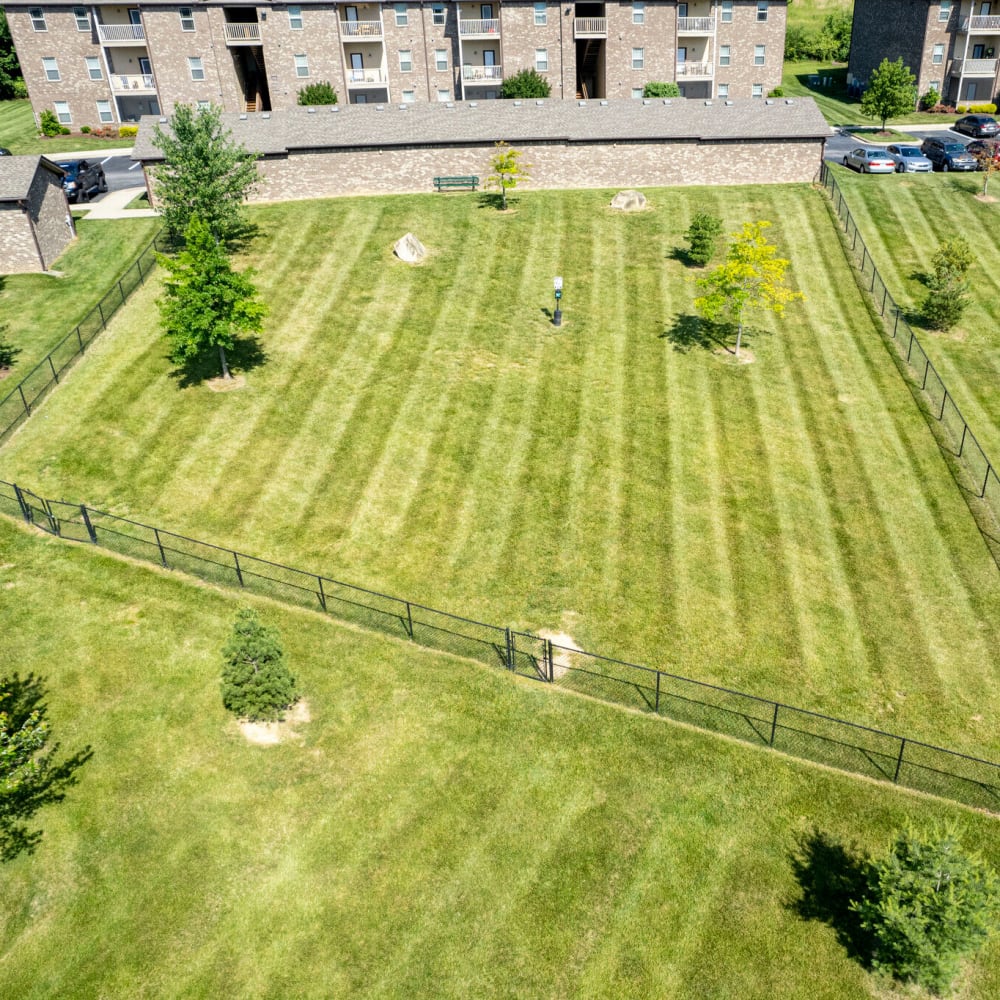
(987, 198)
(227, 384)
(4, 372)
(746, 356)
(563, 645)
(267, 734)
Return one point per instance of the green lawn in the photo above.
(20, 135)
(440, 829)
(786, 527)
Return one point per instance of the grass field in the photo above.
(439, 830)
(810, 14)
(786, 527)
(20, 135)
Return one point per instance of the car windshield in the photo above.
(909, 151)
(954, 147)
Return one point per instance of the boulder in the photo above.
(410, 249)
(629, 201)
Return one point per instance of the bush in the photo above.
(948, 285)
(777, 92)
(703, 235)
(525, 84)
(661, 90)
(976, 109)
(256, 684)
(48, 123)
(20, 89)
(85, 129)
(318, 94)
(930, 100)
(65, 130)
(128, 131)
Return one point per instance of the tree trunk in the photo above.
(739, 337)
(503, 194)
(225, 366)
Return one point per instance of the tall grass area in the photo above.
(785, 527)
(438, 828)
(810, 14)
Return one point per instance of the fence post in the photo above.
(910, 348)
(322, 593)
(239, 572)
(885, 295)
(986, 479)
(895, 325)
(552, 661)
(409, 619)
(27, 409)
(864, 257)
(86, 521)
(657, 708)
(79, 337)
(944, 400)
(871, 291)
(510, 649)
(121, 291)
(48, 358)
(774, 725)
(961, 446)
(899, 759)
(104, 322)
(138, 267)
(159, 545)
(26, 510)
(927, 368)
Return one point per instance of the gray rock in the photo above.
(629, 201)
(410, 249)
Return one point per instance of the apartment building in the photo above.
(951, 46)
(104, 63)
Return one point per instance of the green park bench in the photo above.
(446, 183)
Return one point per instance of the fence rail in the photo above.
(974, 470)
(19, 403)
(795, 731)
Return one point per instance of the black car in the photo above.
(946, 154)
(978, 126)
(82, 179)
(4, 151)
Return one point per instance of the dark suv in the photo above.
(946, 154)
(82, 179)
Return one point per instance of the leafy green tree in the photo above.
(752, 278)
(988, 162)
(703, 235)
(508, 170)
(892, 91)
(927, 905)
(10, 68)
(204, 173)
(948, 284)
(798, 43)
(837, 27)
(525, 84)
(318, 94)
(256, 683)
(656, 89)
(205, 302)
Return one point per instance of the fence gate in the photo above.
(36, 510)
(529, 655)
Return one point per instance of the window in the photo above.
(295, 18)
(301, 65)
(82, 18)
(204, 105)
(104, 112)
(638, 58)
(63, 112)
(945, 12)
(541, 13)
(405, 60)
(637, 91)
(757, 90)
(437, 13)
(409, 96)
(727, 11)
(723, 90)
(761, 10)
(402, 18)
(93, 67)
(758, 55)
(51, 68)
(444, 95)
(682, 10)
(638, 11)
(542, 60)
(936, 86)
(441, 60)
(938, 56)
(725, 55)
(197, 70)
(187, 19)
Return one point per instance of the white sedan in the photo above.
(909, 160)
(870, 161)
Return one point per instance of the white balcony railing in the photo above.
(981, 24)
(695, 71)
(482, 74)
(363, 77)
(242, 33)
(127, 84)
(696, 26)
(128, 33)
(974, 67)
(490, 26)
(590, 27)
(361, 29)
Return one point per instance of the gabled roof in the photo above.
(361, 126)
(17, 173)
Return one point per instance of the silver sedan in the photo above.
(909, 160)
(870, 161)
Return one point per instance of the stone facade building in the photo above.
(35, 221)
(110, 62)
(951, 46)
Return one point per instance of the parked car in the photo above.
(4, 151)
(909, 160)
(946, 154)
(982, 150)
(978, 126)
(870, 161)
(82, 179)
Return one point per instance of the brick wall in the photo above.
(888, 29)
(41, 226)
(742, 35)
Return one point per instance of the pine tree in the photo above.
(256, 683)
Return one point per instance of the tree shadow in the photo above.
(46, 782)
(682, 256)
(246, 355)
(240, 239)
(831, 875)
(688, 331)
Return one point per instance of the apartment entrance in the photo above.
(590, 31)
(252, 76)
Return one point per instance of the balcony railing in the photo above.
(470, 29)
(696, 26)
(981, 24)
(127, 84)
(361, 29)
(127, 34)
(590, 27)
(974, 67)
(242, 33)
(365, 77)
(482, 74)
(695, 71)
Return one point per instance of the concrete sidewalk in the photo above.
(112, 206)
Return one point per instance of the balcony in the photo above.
(590, 27)
(121, 34)
(482, 74)
(479, 29)
(981, 24)
(141, 83)
(361, 29)
(695, 71)
(696, 26)
(367, 78)
(974, 67)
(242, 33)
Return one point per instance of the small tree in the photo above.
(48, 123)
(656, 89)
(927, 905)
(206, 303)
(989, 161)
(703, 235)
(507, 171)
(948, 284)
(525, 84)
(753, 277)
(318, 94)
(256, 683)
(892, 91)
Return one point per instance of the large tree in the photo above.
(204, 173)
(892, 91)
(10, 68)
(206, 304)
